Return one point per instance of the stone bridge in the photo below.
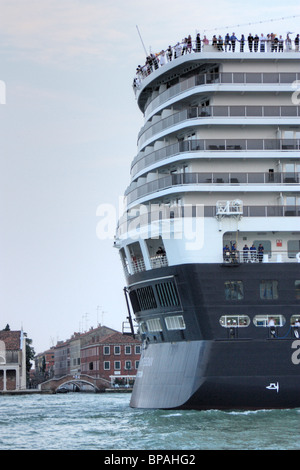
(79, 381)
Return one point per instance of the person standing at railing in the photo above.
(233, 40)
(288, 43)
(263, 40)
(169, 53)
(162, 58)
(177, 50)
(250, 42)
(189, 44)
(256, 41)
(242, 43)
(253, 253)
(198, 43)
(227, 42)
(280, 44)
(260, 252)
(205, 41)
(220, 43)
(184, 46)
(245, 253)
(297, 40)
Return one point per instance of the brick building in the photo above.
(12, 360)
(114, 358)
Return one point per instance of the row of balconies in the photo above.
(208, 145)
(219, 113)
(222, 78)
(128, 223)
(213, 178)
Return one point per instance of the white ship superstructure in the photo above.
(220, 141)
(214, 186)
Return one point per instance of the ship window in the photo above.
(293, 248)
(234, 290)
(167, 294)
(175, 323)
(154, 324)
(295, 320)
(229, 321)
(264, 320)
(268, 290)
(297, 289)
(146, 298)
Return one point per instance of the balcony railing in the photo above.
(250, 112)
(254, 256)
(175, 52)
(221, 78)
(128, 223)
(207, 145)
(216, 178)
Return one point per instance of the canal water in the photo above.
(87, 421)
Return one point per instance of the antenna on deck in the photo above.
(141, 39)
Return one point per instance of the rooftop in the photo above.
(11, 339)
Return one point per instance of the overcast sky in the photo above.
(67, 138)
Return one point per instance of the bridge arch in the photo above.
(78, 383)
(52, 385)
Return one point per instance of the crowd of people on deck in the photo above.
(263, 43)
(252, 254)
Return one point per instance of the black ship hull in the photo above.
(208, 364)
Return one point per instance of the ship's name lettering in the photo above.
(296, 354)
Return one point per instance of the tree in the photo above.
(30, 354)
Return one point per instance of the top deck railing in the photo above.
(261, 45)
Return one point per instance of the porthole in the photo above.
(234, 321)
(269, 320)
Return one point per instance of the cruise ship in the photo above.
(210, 235)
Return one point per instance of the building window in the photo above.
(234, 290)
(297, 289)
(91, 366)
(175, 323)
(268, 290)
(117, 350)
(127, 349)
(229, 321)
(267, 320)
(137, 364)
(154, 324)
(106, 365)
(128, 365)
(138, 348)
(117, 365)
(106, 350)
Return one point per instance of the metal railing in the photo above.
(216, 178)
(150, 129)
(141, 161)
(220, 78)
(127, 222)
(255, 256)
(155, 61)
